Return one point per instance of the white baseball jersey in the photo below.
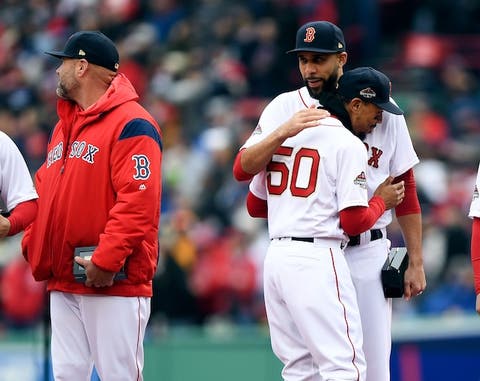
(390, 153)
(16, 183)
(310, 178)
(475, 205)
(312, 175)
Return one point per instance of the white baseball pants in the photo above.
(107, 331)
(312, 311)
(365, 262)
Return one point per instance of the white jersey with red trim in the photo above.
(390, 153)
(16, 183)
(475, 204)
(312, 176)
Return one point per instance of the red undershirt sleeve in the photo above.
(21, 216)
(238, 173)
(358, 219)
(410, 203)
(475, 253)
(256, 206)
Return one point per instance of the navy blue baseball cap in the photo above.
(370, 85)
(320, 37)
(92, 46)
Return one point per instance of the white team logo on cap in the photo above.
(81, 53)
(309, 34)
(368, 93)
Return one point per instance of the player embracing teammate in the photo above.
(302, 173)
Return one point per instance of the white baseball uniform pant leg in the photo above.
(365, 263)
(107, 331)
(312, 313)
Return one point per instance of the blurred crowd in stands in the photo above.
(205, 69)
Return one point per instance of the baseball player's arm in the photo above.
(28, 228)
(238, 173)
(256, 206)
(253, 159)
(415, 282)
(20, 217)
(409, 217)
(475, 258)
(358, 219)
(410, 204)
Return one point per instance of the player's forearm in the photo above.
(358, 219)
(22, 216)
(255, 158)
(410, 203)
(411, 225)
(475, 253)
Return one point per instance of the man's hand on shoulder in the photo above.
(303, 119)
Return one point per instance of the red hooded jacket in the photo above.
(100, 186)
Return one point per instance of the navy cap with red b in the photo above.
(319, 37)
(92, 46)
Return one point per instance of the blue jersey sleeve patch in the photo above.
(139, 127)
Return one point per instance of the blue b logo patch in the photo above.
(142, 167)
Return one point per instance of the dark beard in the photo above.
(329, 85)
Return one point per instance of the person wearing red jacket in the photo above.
(99, 193)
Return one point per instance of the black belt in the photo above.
(303, 239)
(374, 234)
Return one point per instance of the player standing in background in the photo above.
(310, 300)
(17, 192)
(390, 153)
(100, 186)
(474, 214)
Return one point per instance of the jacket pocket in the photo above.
(142, 263)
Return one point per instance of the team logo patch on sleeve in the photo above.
(361, 180)
(142, 167)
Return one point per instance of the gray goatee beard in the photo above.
(61, 93)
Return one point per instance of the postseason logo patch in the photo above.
(475, 193)
(257, 130)
(361, 180)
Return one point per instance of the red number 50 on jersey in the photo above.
(283, 171)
